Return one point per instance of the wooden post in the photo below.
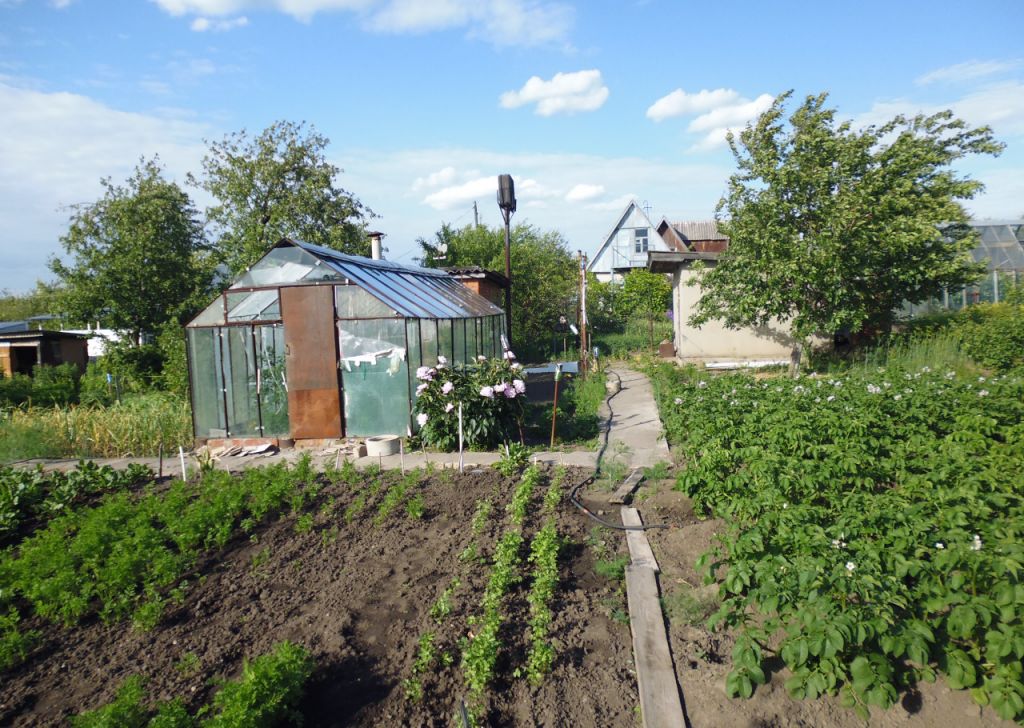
(554, 408)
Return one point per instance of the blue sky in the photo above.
(587, 105)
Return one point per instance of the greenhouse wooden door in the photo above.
(314, 400)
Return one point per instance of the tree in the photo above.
(832, 228)
(646, 295)
(278, 184)
(544, 274)
(42, 300)
(139, 255)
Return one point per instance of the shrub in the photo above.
(491, 391)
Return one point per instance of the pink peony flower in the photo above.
(420, 388)
(421, 418)
(425, 373)
(500, 387)
(447, 387)
(487, 392)
(449, 407)
(520, 385)
(510, 392)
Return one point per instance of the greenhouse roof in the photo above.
(1002, 245)
(408, 290)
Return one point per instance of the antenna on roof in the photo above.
(647, 208)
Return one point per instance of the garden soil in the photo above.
(358, 597)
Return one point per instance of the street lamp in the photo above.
(507, 203)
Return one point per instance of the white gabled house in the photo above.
(628, 243)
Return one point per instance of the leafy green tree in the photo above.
(544, 274)
(139, 255)
(603, 312)
(41, 300)
(278, 184)
(832, 228)
(645, 295)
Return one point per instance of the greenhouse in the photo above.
(1001, 248)
(310, 343)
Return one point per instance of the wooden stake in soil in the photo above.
(181, 454)
(401, 454)
(160, 466)
(460, 437)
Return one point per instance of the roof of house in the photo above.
(698, 230)
(659, 261)
(475, 271)
(41, 335)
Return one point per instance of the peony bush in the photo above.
(492, 393)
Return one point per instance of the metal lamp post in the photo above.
(507, 203)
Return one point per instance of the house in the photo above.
(21, 351)
(312, 344)
(631, 238)
(486, 283)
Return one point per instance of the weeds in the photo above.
(513, 460)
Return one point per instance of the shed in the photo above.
(20, 351)
(487, 283)
(310, 343)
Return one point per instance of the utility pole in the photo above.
(584, 342)
(476, 216)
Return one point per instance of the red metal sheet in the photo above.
(314, 401)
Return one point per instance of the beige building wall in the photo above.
(712, 342)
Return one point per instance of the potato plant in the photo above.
(27, 494)
(876, 526)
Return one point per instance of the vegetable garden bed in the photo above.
(408, 595)
(871, 532)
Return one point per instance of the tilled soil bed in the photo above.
(357, 595)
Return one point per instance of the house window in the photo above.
(640, 240)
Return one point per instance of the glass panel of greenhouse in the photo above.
(1001, 248)
(387, 319)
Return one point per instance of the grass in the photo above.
(686, 605)
(135, 426)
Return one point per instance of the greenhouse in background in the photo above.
(310, 343)
(1001, 247)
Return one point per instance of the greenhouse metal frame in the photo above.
(310, 343)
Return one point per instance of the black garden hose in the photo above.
(573, 494)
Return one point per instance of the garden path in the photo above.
(635, 433)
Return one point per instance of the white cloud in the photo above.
(201, 24)
(56, 147)
(442, 177)
(564, 93)
(1000, 106)
(968, 71)
(584, 192)
(680, 103)
(616, 205)
(448, 198)
(502, 22)
(732, 115)
(718, 111)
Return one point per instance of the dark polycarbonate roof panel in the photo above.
(410, 290)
